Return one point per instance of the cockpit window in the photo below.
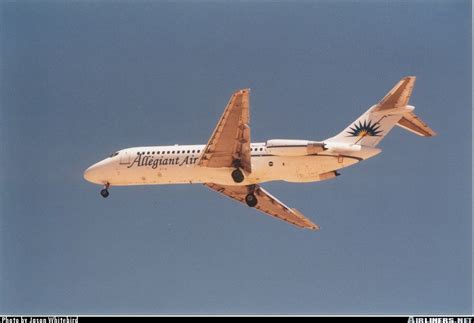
(114, 154)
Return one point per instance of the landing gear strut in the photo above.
(105, 191)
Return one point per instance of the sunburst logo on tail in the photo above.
(365, 129)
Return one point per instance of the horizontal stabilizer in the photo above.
(414, 124)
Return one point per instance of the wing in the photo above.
(266, 203)
(229, 145)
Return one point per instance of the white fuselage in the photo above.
(178, 164)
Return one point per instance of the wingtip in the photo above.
(410, 80)
(312, 226)
(242, 91)
(315, 227)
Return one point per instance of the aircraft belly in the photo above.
(149, 176)
(296, 169)
(264, 169)
(171, 175)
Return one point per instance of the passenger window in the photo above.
(189, 151)
(193, 151)
(261, 149)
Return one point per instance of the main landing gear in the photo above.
(105, 191)
(237, 175)
(251, 200)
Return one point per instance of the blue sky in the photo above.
(80, 80)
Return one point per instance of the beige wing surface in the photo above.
(266, 203)
(229, 145)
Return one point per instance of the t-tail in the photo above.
(371, 127)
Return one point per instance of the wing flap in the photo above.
(267, 204)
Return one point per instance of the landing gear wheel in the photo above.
(104, 192)
(251, 200)
(237, 176)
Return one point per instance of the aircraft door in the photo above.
(125, 157)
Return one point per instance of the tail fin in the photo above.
(371, 127)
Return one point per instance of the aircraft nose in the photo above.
(95, 173)
(90, 174)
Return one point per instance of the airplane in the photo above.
(232, 165)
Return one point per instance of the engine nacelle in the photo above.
(328, 175)
(288, 147)
(342, 148)
(363, 152)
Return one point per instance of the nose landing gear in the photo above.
(105, 191)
